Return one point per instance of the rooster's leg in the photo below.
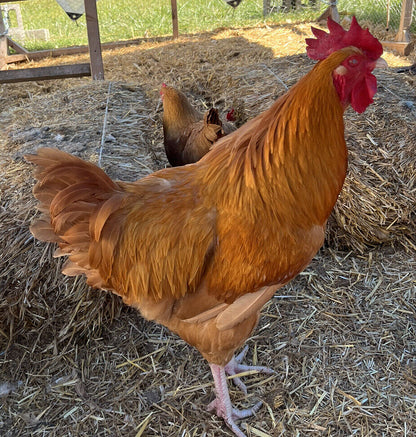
(222, 403)
(234, 367)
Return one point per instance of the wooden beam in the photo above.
(67, 51)
(16, 47)
(402, 48)
(174, 19)
(3, 42)
(44, 73)
(94, 44)
(10, 59)
(56, 53)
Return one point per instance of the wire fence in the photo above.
(384, 12)
(381, 12)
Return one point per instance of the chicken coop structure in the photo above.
(94, 68)
(402, 42)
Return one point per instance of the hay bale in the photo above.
(378, 203)
(71, 120)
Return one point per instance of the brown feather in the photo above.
(43, 231)
(244, 307)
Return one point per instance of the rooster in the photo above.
(201, 248)
(189, 135)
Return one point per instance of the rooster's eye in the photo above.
(353, 62)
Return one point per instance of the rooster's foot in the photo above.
(235, 367)
(222, 403)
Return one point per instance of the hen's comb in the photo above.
(230, 115)
(338, 38)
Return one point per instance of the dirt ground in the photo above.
(341, 336)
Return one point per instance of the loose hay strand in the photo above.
(100, 154)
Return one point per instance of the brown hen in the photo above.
(188, 134)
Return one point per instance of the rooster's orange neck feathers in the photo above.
(294, 154)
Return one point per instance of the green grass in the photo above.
(128, 19)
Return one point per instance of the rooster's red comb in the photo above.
(338, 38)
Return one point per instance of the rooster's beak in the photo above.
(381, 63)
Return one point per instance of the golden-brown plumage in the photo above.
(188, 134)
(201, 248)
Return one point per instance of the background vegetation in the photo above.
(129, 19)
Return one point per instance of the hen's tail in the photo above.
(76, 198)
(212, 117)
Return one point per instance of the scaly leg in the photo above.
(234, 367)
(222, 403)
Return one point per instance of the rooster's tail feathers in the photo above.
(76, 199)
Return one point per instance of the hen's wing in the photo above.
(137, 239)
(201, 136)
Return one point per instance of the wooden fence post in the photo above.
(266, 7)
(94, 44)
(405, 21)
(3, 42)
(174, 18)
(402, 43)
